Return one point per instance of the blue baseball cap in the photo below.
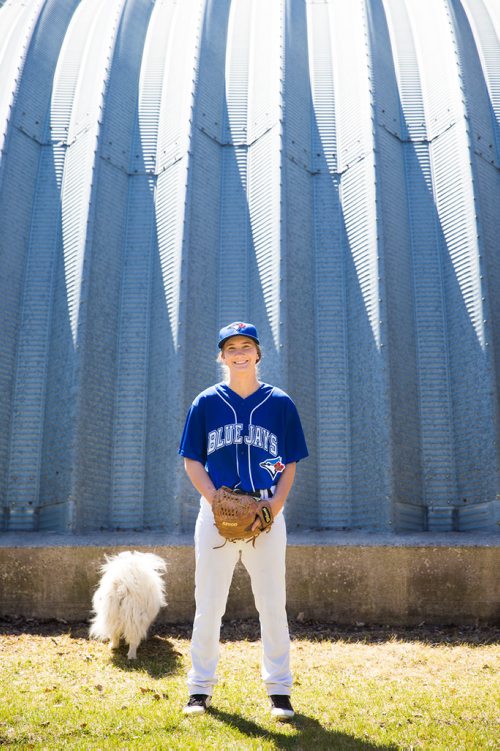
(238, 328)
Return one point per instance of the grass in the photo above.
(363, 689)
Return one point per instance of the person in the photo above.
(244, 434)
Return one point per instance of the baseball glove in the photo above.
(235, 513)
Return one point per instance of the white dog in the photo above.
(129, 597)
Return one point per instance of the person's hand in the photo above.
(211, 495)
(256, 525)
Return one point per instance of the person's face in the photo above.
(240, 354)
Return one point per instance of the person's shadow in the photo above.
(317, 736)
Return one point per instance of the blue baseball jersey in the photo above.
(243, 443)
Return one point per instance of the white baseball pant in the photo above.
(265, 564)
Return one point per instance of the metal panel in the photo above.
(100, 427)
(79, 434)
(298, 268)
(435, 400)
(28, 250)
(265, 179)
(466, 316)
(331, 361)
(328, 170)
(235, 240)
(370, 457)
(397, 293)
(130, 407)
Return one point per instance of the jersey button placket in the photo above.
(244, 469)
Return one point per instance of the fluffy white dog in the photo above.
(129, 597)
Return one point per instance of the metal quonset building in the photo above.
(329, 170)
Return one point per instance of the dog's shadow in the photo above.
(156, 656)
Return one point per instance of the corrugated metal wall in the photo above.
(329, 170)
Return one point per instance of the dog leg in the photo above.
(132, 652)
(114, 642)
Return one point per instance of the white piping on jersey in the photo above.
(235, 422)
(250, 423)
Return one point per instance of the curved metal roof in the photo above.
(328, 170)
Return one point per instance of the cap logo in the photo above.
(235, 328)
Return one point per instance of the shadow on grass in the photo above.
(155, 656)
(474, 636)
(249, 630)
(310, 734)
(14, 625)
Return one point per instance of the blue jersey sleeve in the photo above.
(193, 442)
(296, 448)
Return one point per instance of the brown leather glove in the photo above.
(235, 513)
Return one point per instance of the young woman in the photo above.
(243, 434)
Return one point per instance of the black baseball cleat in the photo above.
(197, 704)
(281, 708)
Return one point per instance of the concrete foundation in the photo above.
(348, 578)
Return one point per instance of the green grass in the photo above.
(353, 690)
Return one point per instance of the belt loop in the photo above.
(267, 493)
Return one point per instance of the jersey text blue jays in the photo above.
(228, 435)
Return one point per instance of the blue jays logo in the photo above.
(238, 326)
(274, 466)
